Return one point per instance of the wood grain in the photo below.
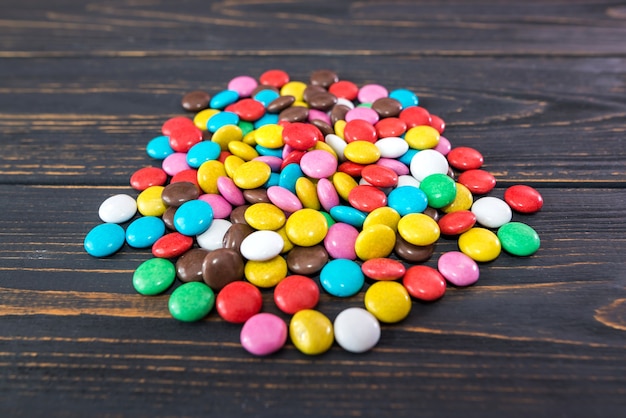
(537, 86)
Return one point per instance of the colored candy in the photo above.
(276, 180)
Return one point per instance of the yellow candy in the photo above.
(203, 116)
(288, 245)
(252, 174)
(306, 191)
(306, 227)
(388, 301)
(269, 136)
(250, 138)
(376, 241)
(149, 202)
(418, 229)
(267, 273)
(383, 215)
(295, 89)
(339, 127)
(343, 184)
(311, 332)
(300, 103)
(242, 150)
(231, 164)
(264, 216)
(462, 201)
(208, 173)
(361, 152)
(325, 147)
(422, 137)
(226, 134)
(480, 244)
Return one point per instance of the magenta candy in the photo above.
(318, 164)
(340, 239)
(221, 207)
(243, 84)
(229, 190)
(315, 114)
(263, 334)
(363, 113)
(444, 146)
(275, 163)
(400, 168)
(175, 163)
(284, 199)
(369, 93)
(458, 268)
(327, 194)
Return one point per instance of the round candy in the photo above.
(306, 227)
(301, 136)
(208, 173)
(375, 241)
(295, 293)
(189, 265)
(385, 216)
(202, 152)
(379, 176)
(191, 301)
(439, 189)
(307, 260)
(519, 239)
(418, 229)
(356, 330)
(455, 223)
(340, 239)
(477, 181)
(407, 199)
(342, 278)
(251, 174)
(266, 273)
(311, 332)
(458, 268)
(462, 201)
(424, 283)
(349, 215)
(221, 267)
(238, 301)
(491, 211)
(428, 162)
(263, 334)
(149, 202)
(318, 164)
(388, 301)
(213, 237)
(367, 198)
(146, 177)
(104, 240)
(262, 245)
(422, 137)
(284, 199)
(465, 158)
(383, 269)
(172, 245)
(144, 231)
(264, 216)
(361, 152)
(193, 217)
(359, 130)
(523, 199)
(154, 276)
(480, 244)
(175, 194)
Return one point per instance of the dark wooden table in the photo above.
(538, 86)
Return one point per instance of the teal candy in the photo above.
(266, 96)
(266, 119)
(191, 301)
(269, 152)
(159, 147)
(342, 277)
(154, 276)
(274, 180)
(104, 240)
(406, 97)
(407, 199)
(289, 176)
(193, 217)
(221, 119)
(348, 215)
(408, 156)
(144, 231)
(202, 152)
(223, 99)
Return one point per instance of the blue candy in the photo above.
(222, 119)
(266, 119)
(406, 97)
(407, 199)
(408, 156)
(223, 99)
(348, 215)
(202, 152)
(266, 96)
(159, 147)
(342, 277)
(144, 231)
(289, 176)
(193, 217)
(104, 240)
(269, 152)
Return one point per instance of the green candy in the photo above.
(191, 301)
(154, 276)
(519, 239)
(440, 190)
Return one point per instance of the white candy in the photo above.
(117, 209)
(406, 180)
(262, 245)
(427, 162)
(491, 212)
(337, 143)
(213, 238)
(392, 147)
(356, 330)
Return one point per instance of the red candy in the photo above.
(172, 245)
(379, 176)
(301, 136)
(367, 198)
(390, 127)
(238, 301)
(182, 139)
(248, 109)
(437, 123)
(359, 130)
(477, 181)
(274, 78)
(415, 116)
(383, 269)
(351, 168)
(190, 175)
(295, 293)
(424, 283)
(455, 223)
(147, 177)
(293, 157)
(465, 158)
(176, 123)
(344, 89)
(523, 199)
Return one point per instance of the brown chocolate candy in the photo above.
(175, 194)
(324, 127)
(195, 101)
(307, 260)
(168, 217)
(387, 107)
(280, 103)
(222, 266)
(432, 212)
(294, 114)
(237, 215)
(189, 265)
(311, 91)
(235, 235)
(338, 112)
(412, 253)
(256, 196)
(324, 78)
(322, 101)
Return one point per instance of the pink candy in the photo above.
(263, 334)
(458, 268)
(318, 164)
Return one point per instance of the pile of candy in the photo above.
(290, 187)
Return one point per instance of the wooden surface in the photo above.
(539, 87)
